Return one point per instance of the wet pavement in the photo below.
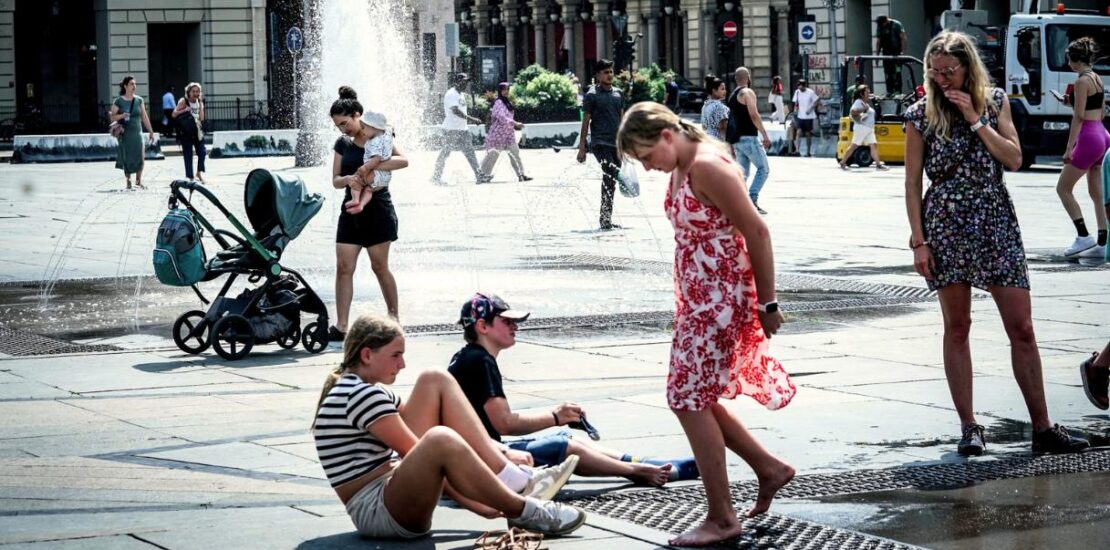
(122, 441)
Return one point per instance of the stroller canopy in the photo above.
(278, 205)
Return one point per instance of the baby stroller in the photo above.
(270, 311)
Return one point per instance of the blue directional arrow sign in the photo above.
(807, 32)
(294, 40)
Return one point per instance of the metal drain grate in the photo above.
(766, 531)
(678, 509)
(24, 344)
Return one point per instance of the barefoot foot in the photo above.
(769, 483)
(647, 474)
(709, 532)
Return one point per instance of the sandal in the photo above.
(513, 539)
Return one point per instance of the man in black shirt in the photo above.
(602, 109)
(891, 41)
(489, 326)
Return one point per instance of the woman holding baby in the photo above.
(373, 228)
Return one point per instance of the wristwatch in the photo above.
(769, 307)
(982, 122)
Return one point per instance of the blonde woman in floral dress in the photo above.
(725, 309)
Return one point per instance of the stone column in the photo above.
(650, 47)
(708, 41)
(510, 18)
(539, 22)
(757, 45)
(479, 17)
(570, 21)
(783, 22)
(603, 24)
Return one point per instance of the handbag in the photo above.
(115, 128)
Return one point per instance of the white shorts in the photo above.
(863, 135)
(367, 511)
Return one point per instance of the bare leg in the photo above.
(139, 177)
(1094, 187)
(708, 444)
(593, 462)
(772, 473)
(1064, 187)
(1017, 317)
(437, 400)
(875, 154)
(1103, 359)
(346, 259)
(414, 490)
(848, 154)
(379, 262)
(955, 305)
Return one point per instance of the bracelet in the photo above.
(918, 245)
(555, 417)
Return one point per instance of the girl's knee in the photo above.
(435, 377)
(957, 329)
(379, 267)
(442, 437)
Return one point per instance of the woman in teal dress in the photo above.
(130, 111)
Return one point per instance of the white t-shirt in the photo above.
(806, 101)
(380, 146)
(451, 121)
(868, 116)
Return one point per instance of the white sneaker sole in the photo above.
(1074, 253)
(555, 487)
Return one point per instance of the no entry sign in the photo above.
(729, 29)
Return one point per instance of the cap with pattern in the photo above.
(487, 306)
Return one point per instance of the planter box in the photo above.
(73, 148)
(253, 143)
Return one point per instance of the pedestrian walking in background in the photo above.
(965, 232)
(456, 136)
(714, 114)
(1088, 142)
(805, 106)
(374, 228)
(602, 110)
(863, 130)
(130, 111)
(748, 125)
(501, 135)
(189, 115)
(774, 98)
(439, 443)
(169, 103)
(891, 41)
(670, 94)
(725, 310)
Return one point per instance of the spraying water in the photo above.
(370, 46)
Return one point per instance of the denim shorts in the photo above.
(547, 450)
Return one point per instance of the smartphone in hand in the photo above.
(1059, 97)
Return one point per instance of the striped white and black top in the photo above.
(346, 448)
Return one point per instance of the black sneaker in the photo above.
(484, 178)
(758, 209)
(1095, 382)
(973, 441)
(610, 226)
(1057, 440)
(335, 335)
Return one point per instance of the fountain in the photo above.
(369, 46)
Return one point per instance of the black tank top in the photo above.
(1095, 100)
(744, 124)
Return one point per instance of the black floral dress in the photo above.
(969, 219)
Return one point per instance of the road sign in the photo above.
(729, 29)
(294, 40)
(451, 39)
(807, 32)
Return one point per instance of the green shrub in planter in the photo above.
(552, 89)
(477, 106)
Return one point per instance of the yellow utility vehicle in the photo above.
(890, 98)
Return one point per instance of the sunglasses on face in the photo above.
(946, 72)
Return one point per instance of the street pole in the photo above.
(834, 63)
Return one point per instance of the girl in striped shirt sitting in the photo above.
(439, 443)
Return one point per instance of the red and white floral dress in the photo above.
(719, 349)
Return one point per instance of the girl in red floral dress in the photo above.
(725, 309)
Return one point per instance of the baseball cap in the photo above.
(461, 77)
(487, 306)
(374, 119)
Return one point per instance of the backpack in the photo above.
(179, 258)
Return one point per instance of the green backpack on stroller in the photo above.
(179, 258)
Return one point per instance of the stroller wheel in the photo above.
(289, 339)
(232, 337)
(314, 337)
(190, 332)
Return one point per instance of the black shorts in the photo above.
(804, 124)
(376, 224)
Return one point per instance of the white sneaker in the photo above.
(546, 482)
(549, 518)
(1080, 244)
(1093, 257)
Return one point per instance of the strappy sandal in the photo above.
(513, 539)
